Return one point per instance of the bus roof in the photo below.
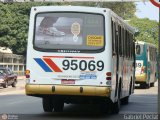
(142, 43)
(70, 8)
(122, 22)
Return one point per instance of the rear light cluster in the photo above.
(108, 75)
(142, 69)
(27, 73)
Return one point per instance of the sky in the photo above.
(148, 10)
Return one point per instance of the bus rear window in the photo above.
(139, 49)
(69, 31)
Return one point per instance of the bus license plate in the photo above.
(67, 81)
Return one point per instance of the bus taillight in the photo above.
(108, 75)
(27, 73)
(142, 69)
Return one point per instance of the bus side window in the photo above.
(113, 37)
(129, 49)
(126, 46)
(120, 40)
(130, 44)
(151, 54)
(116, 38)
(133, 46)
(124, 43)
(129, 40)
(148, 54)
(134, 54)
(154, 54)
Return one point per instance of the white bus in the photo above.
(79, 55)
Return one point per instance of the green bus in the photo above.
(146, 64)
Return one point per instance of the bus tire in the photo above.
(58, 105)
(152, 84)
(125, 100)
(117, 105)
(147, 85)
(142, 85)
(47, 104)
(105, 107)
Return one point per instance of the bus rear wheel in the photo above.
(58, 105)
(117, 105)
(145, 85)
(47, 104)
(152, 84)
(106, 107)
(125, 100)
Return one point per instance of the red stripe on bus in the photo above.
(84, 57)
(52, 65)
(68, 57)
(53, 56)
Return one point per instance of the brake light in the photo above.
(27, 73)
(142, 69)
(108, 78)
(108, 75)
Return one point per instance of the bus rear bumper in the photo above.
(141, 78)
(67, 90)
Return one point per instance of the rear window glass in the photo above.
(139, 49)
(77, 31)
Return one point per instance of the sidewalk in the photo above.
(156, 83)
(21, 77)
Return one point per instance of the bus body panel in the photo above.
(58, 77)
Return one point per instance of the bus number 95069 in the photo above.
(83, 65)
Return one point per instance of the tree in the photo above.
(126, 10)
(14, 25)
(147, 30)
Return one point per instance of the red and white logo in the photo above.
(156, 2)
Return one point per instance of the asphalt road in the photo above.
(17, 105)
